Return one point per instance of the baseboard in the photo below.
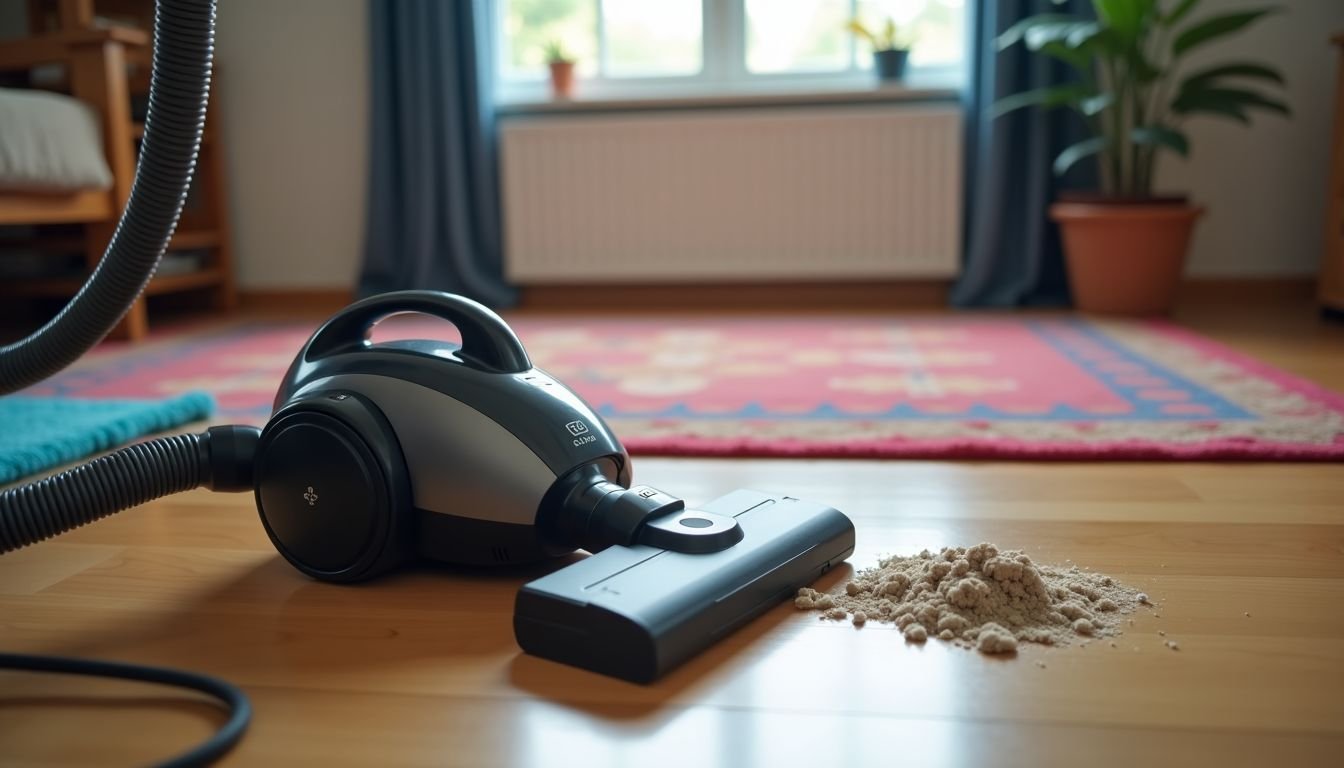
(1248, 290)
(295, 300)
(866, 296)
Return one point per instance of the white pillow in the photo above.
(49, 143)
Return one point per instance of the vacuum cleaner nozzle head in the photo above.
(637, 611)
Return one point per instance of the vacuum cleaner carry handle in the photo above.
(487, 341)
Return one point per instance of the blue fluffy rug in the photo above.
(38, 433)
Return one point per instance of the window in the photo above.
(627, 48)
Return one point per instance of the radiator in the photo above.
(838, 193)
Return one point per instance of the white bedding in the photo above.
(49, 143)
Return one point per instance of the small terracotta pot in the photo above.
(562, 79)
(1125, 258)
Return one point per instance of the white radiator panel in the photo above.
(839, 193)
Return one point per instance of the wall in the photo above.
(294, 85)
(1265, 187)
(294, 118)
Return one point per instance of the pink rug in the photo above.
(946, 386)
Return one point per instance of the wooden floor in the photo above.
(1246, 563)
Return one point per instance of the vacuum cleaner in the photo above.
(379, 455)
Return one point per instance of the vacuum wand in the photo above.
(595, 513)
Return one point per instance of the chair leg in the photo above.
(134, 326)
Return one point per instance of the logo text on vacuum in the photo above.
(310, 496)
(580, 432)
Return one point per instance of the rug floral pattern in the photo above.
(937, 386)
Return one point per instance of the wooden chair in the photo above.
(95, 62)
(95, 56)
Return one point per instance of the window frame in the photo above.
(723, 69)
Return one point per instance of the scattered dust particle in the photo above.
(1040, 664)
(1161, 633)
(1157, 615)
(1164, 565)
(1248, 613)
(1131, 622)
(1142, 597)
(1136, 649)
(916, 633)
(836, 613)
(860, 617)
(1113, 645)
(825, 603)
(1173, 645)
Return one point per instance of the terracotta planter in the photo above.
(1125, 258)
(562, 79)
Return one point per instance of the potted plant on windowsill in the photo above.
(890, 52)
(562, 70)
(1125, 246)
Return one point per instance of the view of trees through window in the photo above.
(719, 40)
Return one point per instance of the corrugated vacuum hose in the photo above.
(184, 33)
(219, 458)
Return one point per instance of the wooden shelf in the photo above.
(183, 240)
(194, 240)
(65, 286)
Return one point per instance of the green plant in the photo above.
(888, 40)
(556, 53)
(1131, 91)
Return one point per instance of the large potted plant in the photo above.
(1125, 245)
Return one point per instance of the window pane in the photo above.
(936, 27)
(530, 25)
(797, 35)
(651, 38)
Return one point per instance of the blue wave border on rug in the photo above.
(38, 433)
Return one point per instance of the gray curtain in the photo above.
(1012, 251)
(433, 210)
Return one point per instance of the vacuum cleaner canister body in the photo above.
(378, 454)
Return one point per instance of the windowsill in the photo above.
(670, 99)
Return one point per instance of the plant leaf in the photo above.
(1093, 105)
(1214, 28)
(1229, 102)
(1084, 32)
(857, 28)
(1017, 31)
(1080, 60)
(1179, 12)
(1055, 96)
(1079, 151)
(1162, 136)
(1125, 17)
(1204, 78)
